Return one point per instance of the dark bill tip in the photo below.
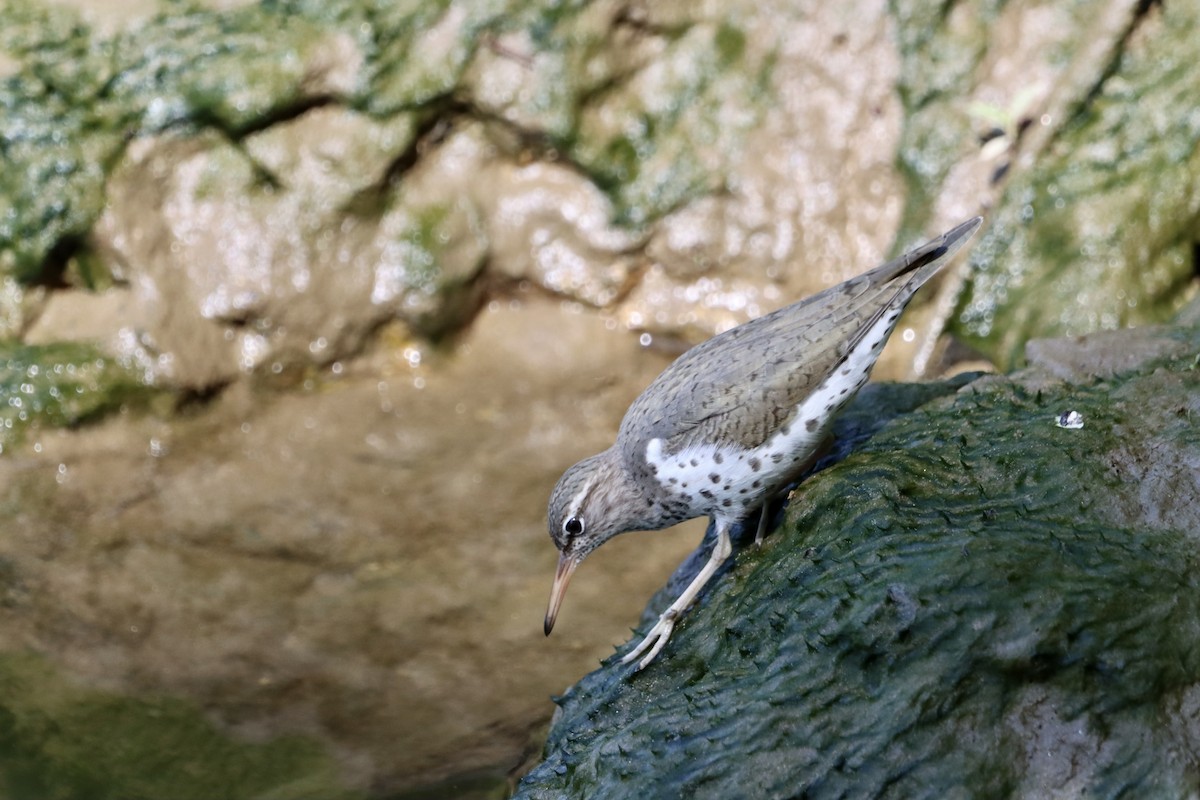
(562, 577)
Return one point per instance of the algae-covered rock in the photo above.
(79, 97)
(59, 739)
(59, 384)
(232, 272)
(1090, 165)
(744, 155)
(979, 601)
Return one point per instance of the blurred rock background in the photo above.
(305, 306)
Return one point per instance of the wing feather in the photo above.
(744, 383)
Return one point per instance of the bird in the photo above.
(732, 422)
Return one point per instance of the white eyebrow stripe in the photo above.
(577, 501)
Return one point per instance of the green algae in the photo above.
(61, 740)
(965, 586)
(1095, 234)
(1101, 230)
(440, 262)
(731, 44)
(677, 127)
(59, 385)
(78, 97)
(389, 36)
(934, 66)
(1116, 186)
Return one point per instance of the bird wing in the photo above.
(741, 385)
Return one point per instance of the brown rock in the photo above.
(366, 563)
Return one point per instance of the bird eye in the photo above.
(573, 526)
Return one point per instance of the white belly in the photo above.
(724, 479)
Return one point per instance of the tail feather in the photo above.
(937, 251)
(926, 261)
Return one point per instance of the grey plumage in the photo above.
(741, 385)
(734, 419)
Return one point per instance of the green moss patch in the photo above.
(965, 606)
(59, 741)
(59, 385)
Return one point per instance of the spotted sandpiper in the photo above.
(732, 422)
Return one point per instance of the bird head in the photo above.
(593, 502)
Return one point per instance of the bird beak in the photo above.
(562, 576)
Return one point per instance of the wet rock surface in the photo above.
(364, 564)
(976, 601)
(685, 171)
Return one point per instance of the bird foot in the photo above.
(658, 635)
(654, 641)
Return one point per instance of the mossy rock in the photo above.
(1111, 174)
(976, 602)
(59, 385)
(61, 740)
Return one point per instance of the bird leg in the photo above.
(763, 515)
(658, 635)
(822, 449)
